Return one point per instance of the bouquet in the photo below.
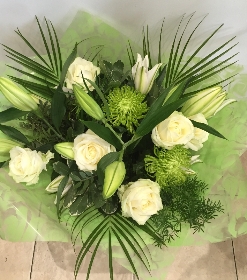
(119, 142)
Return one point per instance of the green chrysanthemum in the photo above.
(169, 167)
(126, 107)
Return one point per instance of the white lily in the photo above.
(144, 78)
(208, 102)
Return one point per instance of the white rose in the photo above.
(26, 165)
(140, 200)
(81, 67)
(89, 148)
(200, 136)
(175, 130)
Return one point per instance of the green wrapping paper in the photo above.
(28, 213)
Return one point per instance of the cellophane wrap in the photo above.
(28, 213)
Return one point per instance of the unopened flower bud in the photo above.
(65, 149)
(17, 96)
(114, 176)
(208, 102)
(87, 103)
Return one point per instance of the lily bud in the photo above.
(208, 102)
(53, 186)
(87, 103)
(114, 176)
(143, 78)
(5, 146)
(65, 149)
(17, 96)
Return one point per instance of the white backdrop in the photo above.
(126, 15)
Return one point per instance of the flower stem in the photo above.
(50, 126)
(112, 130)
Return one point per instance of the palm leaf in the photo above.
(203, 69)
(32, 48)
(134, 242)
(110, 255)
(198, 49)
(171, 60)
(38, 89)
(186, 45)
(174, 65)
(38, 68)
(160, 42)
(47, 72)
(126, 252)
(94, 253)
(58, 48)
(45, 44)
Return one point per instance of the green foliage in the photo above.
(112, 75)
(128, 235)
(43, 73)
(14, 134)
(11, 114)
(185, 203)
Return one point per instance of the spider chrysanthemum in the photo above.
(169, 167)
(127, 107)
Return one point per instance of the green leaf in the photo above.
(69, 197)
(179, 90)
(199, 48)
(104, 133)
(52, 46)
(58, 108)
(104, 162)
(36, 70)
(11, 114)
(61, 187)
(79, 205)
(88, 243)
(118, 65)
(66, 65)
(150, 121)
(98, 199)
(172, 58)
(111, 205)
(61, 168)
(74, 176)
(94, 253)
(126, 253)
(38, 89)
(22, 59)
(42, 80)
(207, 128)
(14, 133)
(45, 43)
(159, 80)
(32, 48)
(110, 255)
(132, 242)
(196, 69)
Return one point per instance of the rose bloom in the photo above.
(26, 165)
(81, 67)
(175, 130)
(89, 148)
(200, 136)
(140, 200)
